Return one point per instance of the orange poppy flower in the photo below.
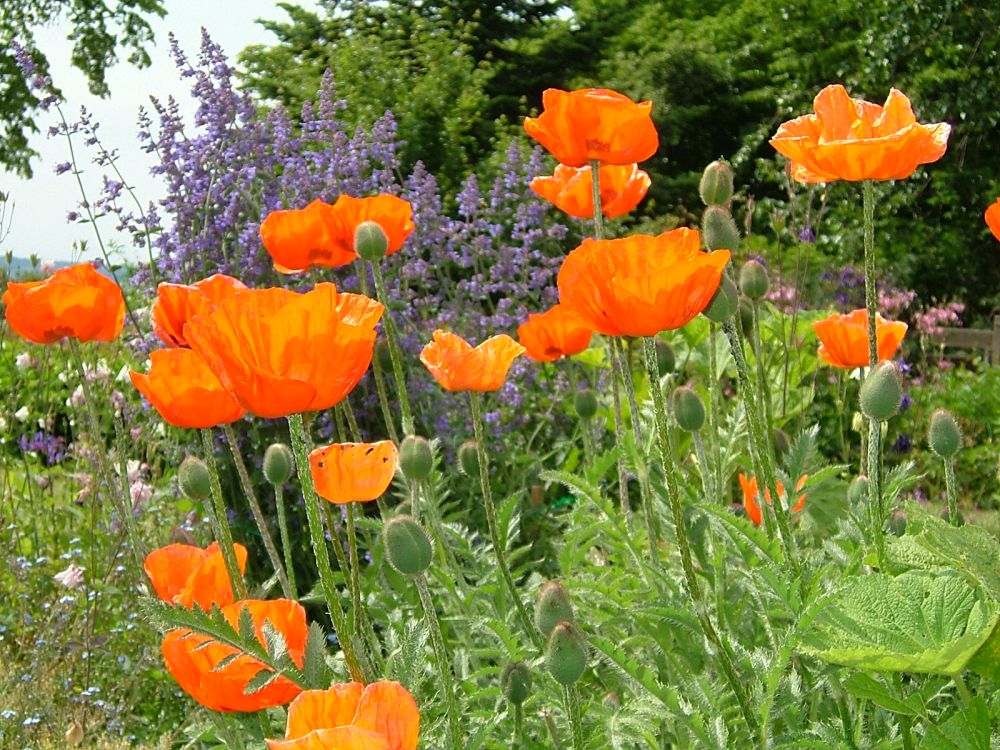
(640, 285)
(279, 352)
(353, 472)
(185, 392)
(572, 190)
(751, 493)
(76, 302)
(555, 333)
(992, 217)
(851, 139)
(456, 366)
(844, 338)
(351, 716)
(193, 659)
(176, 304)
(323, 235)
(578, 127)
(192, 576)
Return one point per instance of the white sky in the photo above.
(38, 220)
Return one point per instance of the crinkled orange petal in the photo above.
(388, 709)
(339, 738)
(844, 338)
(323, 709)
(353, 472)
(749, 487)
(359, 310)
(571, 189)
(169, 567)
(992, 217)
(177, 303)
(209, 582)
(393, 214)
(555, 333)
(456, 366)
(312, 236)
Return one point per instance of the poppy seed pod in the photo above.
(468, 458)
(719, 229)
(552, 606)
(278, 464)
(194, 479)
(753, 280)
(416, 458)
(746, 318)
(944, 436)
(716, 186)
(666, 361)
(689, 409)
(585, 403)
(566, 653)
(370, 241)
(515, 682)
(857, 491)
(724, 303)
(882, 392)
(407, 547)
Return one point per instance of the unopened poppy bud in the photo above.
(779, 220)
(753, 280)
(552, 606)
(370, 241)
(666, 361)
(689, 409)
(566, 653)
(278, 464)
(944, 436)
(74, 734)
(515, 682)
(716, 186)
(468, 458)
(781, 442)
(416, 458)
(882, 392)
(407, 547)
(724, 303)
(718, 229)
(897, 522)
(746, 318)
(383, 355)
(857, 491)
(585, 403)
(945, 515)
(194, 479)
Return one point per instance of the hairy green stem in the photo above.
(949, 481)
(571, 698)
(394, 355)
(357, 610)
(870, 297)
(221, 520)
(707, 483)
(443, 660)
(616, 399)
(876, 510)
(595, 174)
(714, 413)
(286, 542)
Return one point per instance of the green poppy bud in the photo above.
(689, 409)
(897, 522)
(857, 491)
(370, 241)
(468, 458)
(552, 606)
(407, 546)
(515, 682)
(416, 458)
(566, 653)
(278, 463)
(383, 355)
(753, 280)
(666, 361)
(716, 186)
(882, 392)
(945, 515)
(585, 403)
(746, 318)
(781, 441)
(194, 479)
(944, 436)
(719, 230)
(724, 304)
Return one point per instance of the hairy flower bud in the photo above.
(552, 606)
(724, 303)
(407, 546)
(416, 458)
(882, 392)
(585, 403)
(194, 479)
(278, 464)
(689, 409)
(897, 522)
(857, 491)
(718, 229)
(666, 361)
(753, 280)
(746, 318)
(716, 186)
(370, 241)
(515, 682)
(566, 653)
(468, 458)
(944, 436)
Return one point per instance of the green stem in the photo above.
(595, 174)
(589, 451)
(706, 471)
(491, 520)
(257, 511)
(571, 699)
(869, 229)
(875, 509)
(714, 413)
(963, 690)
(518, 726)
(286, 542)
(352, 550)
(443, 660)
(764, 405)
(949, 481)
(616, 398)
(337, 617)
(221, 520)
(397, 361)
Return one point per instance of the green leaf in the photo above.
(637, 671)
(986, 661)
(966, 729)
(863, 685)
(315, 672)
(929, 622)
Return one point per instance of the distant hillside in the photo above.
(21, 266)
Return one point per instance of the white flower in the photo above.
(122, 376)
(77, 399)
(23, 361)
(22, 414)
(48, 267)
(71, 577)
(3, 424)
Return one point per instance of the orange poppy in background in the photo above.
(571, 189)
(640, 285)
(456, 366)
(844, 338)
(992, 217)
(751, 493)
(176, 304)
(184, 391)
(323, 235)
(193, 659)
(192, 576)
(557, 332)
(279, 352)
(75, 302)
(851, 139)
(352, 716)
(578, 127)
(353, 472)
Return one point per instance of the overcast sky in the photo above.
(38, 222)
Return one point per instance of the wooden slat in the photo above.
(972, 338)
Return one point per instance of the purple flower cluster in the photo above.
(932, 319)
(848, 286)
(50, 448)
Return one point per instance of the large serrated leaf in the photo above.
(921, 621)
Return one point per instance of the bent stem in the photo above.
(221, 521)
(722, 648)
(444, 662)
(337, 617)
(491, 520)
(397, 361)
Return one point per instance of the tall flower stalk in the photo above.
(220, 519)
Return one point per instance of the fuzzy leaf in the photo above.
(315, 672)
(637, 671)
(966, 729)
(986, 661)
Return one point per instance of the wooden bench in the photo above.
(972, 338)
